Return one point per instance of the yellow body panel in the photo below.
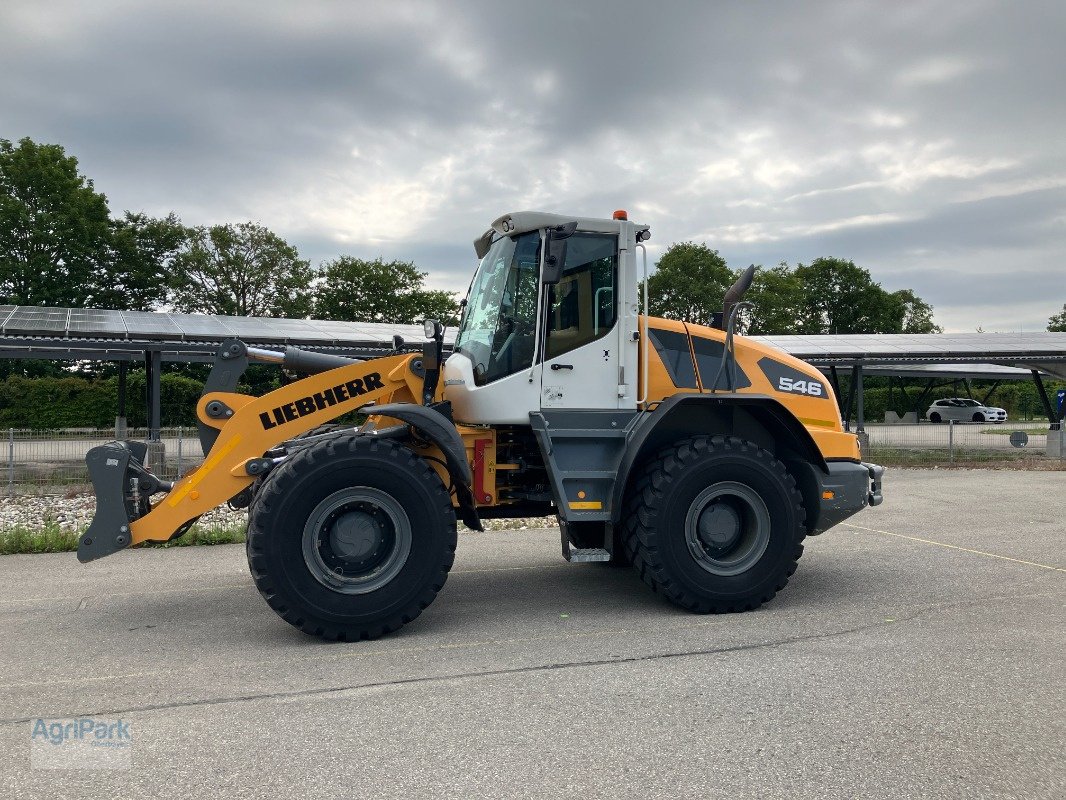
(819, 415)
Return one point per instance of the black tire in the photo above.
(673, 486)
(373, 497)
(978, 417)
(934, 417)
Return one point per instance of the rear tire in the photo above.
(715, 524)
(351, 538)
(934, 417)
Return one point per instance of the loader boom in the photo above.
(249, 427)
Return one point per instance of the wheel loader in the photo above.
(701, 458)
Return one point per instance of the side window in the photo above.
(582, 306)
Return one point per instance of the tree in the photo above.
(1058, 321)
(143, 250)
(776, 295)
(840, 297)
(914, 314)
(379, 291)
(240, 270)
(54, 228)
(689, 283)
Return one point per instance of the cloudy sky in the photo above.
(924, 140)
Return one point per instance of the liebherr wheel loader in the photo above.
(701, 458)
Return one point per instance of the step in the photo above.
(586, 554)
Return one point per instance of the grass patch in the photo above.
(51, 538)
(991, 459)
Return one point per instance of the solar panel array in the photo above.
(967, 347)
(100, 324)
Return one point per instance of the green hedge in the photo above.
(54, 403)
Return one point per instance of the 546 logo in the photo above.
(808, 387)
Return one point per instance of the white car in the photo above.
(963, 409)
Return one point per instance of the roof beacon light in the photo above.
(620, 214)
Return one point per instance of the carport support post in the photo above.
(153, 363)
(1053, 418)
(851, 400)
(860, 410)
(120, 418)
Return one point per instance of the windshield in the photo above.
(498, 328)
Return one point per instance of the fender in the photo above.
(753, 416)
(439, 429)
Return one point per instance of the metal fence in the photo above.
(53, 462)
(1018, 444)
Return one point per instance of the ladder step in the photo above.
(584, 433)
(586, 554)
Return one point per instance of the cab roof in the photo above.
(524, 221)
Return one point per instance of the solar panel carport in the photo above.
(927, 354)
(80, 334)
(76, 334)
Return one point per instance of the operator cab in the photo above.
(550, 319)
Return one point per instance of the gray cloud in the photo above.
(922, 140)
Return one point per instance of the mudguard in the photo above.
(439, 429)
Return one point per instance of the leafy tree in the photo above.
(143, 250)
(240, 270)
(840, 297)
(914, 315)
(1058, 321)
(777, 296)
(54, 228)
(379, 291)
(689, 283)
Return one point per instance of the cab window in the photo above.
(582, 306)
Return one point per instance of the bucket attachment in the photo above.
(122, 486)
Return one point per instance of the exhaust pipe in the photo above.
(733, 296)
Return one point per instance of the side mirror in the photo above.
(555, 252)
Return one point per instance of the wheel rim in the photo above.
(356, 540)
(727, 528)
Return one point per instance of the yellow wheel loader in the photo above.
(701, 458)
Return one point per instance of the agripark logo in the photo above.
(81, 743)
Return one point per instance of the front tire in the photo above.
(978, 417)
(715, 524)
(351, 538)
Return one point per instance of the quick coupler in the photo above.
(122, 487)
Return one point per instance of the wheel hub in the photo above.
(719, 527)
(357, 534)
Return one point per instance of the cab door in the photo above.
(581, 344)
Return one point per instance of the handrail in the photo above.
(643, 398)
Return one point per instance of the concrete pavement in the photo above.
(919, 654)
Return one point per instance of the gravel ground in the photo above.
(74, 513)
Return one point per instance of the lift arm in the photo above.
(248, 427)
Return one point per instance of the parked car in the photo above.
(963, 409)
